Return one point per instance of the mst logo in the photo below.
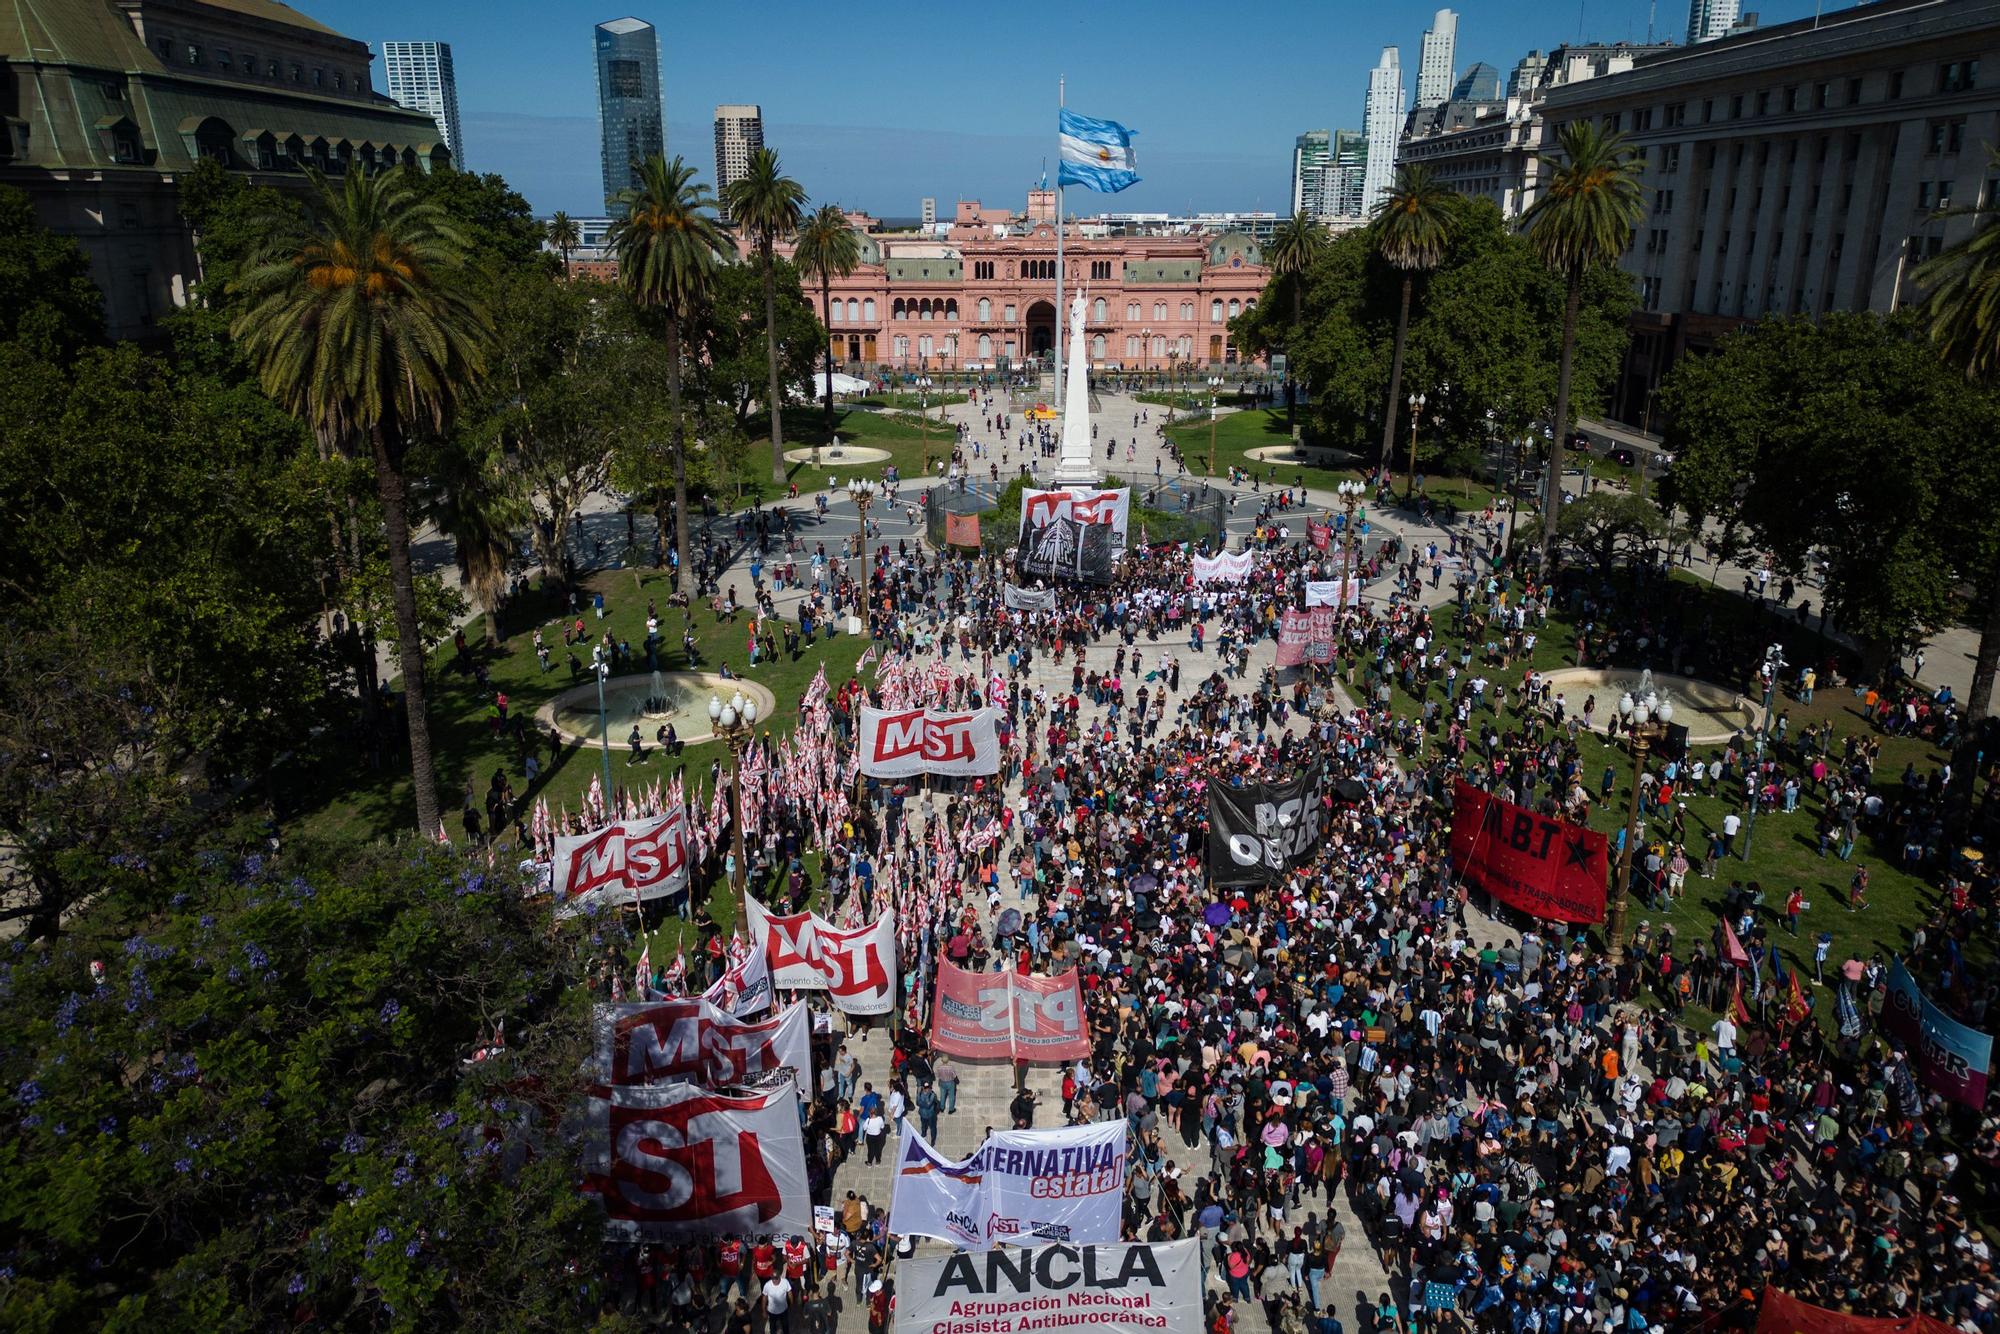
(936, 738)
(687, 1163)
(638, 856)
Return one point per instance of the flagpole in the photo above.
(1061, 324)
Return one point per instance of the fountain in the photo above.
(679, 698)
(1711, 712)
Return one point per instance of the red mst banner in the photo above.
(1547, 868)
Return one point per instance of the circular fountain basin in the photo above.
(681, 699)
(1711, 712)
(1310, 456)
(848, 456)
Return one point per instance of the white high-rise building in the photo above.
(739, 132)
(1710, 19)
(1382, 125)
(419, 77)
(1434, 60)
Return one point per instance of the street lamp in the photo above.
(1350, 496)
(1417, 402)
(602, 661)
(923, 384)
(1145, 350)
(1214, 385)
(1645, 722)
(862, 492)
(734, 722)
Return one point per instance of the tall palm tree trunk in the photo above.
(826, 304)
(1552, 491)
(679, 445)
(1396, 376)
(771, 356)
(1291, 375)
(392, 489)
(1979, 699)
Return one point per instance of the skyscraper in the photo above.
(1479, 83)
(1381, 124)
(1710, 19)
(739, 132)
(419, 77)
(1311, 153)
(628, 103)
(1434, 61)
(1527, 75)
(1346, 175)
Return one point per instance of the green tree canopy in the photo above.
(1842, 438)
(48, 303)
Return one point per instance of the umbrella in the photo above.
(1145, 884)
(1148, 920)
(1009, 923)
(1215, 914)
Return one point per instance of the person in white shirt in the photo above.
(1725, 1035)
(778, 1302)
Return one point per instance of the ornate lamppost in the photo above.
(1350, 496)
(862, 492)
(1214, 385)
(1645, 724)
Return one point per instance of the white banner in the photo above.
(744, 988)
(857, 968)
(1229, 567)
(1065, 1185)
(688, 1040)
(903, 743)
(1327, 593)
(671, 1160)
(1027, 599)
(1082, 504)
(649, 856)
(1123, 1288)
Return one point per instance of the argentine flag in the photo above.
(1096, 153)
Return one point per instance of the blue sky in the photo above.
(876, 106)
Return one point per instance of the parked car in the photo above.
(1621, 455)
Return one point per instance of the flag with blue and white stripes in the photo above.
(1095, 153)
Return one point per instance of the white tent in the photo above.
(842, 384)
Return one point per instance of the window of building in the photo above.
(1159, 310)
(1736, 107)
(1794, 98)
(298, 72)
(1707, 110)
(951, 308)
(985, 310)
(1100, 269)
(1895, 84)
(124, 145)
(868, 311)
(1823, 96)
(1235, 308)
(1097, 347)
(339, 82)
(1215, 311)
(1763, 103)
(924, 346)
(985, 346)
(1187, 310)
(166, 45)
(1100, 310)
(1611, 122)
(1663, 201)
(1670, 158)
(1924, 199)
(222, 58)
(1131, 310)
(1960, 76)
(902, 347)
(1131, 345)
(1751, 248)
(1008, 312)
(319, 77)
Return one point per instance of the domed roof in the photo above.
(871, 249)
(1234, 249)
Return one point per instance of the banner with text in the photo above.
(1327, 592)
(1229, 567)
(688, 1040)
(670, 1160)
(857, 968)
(1027, 599)
(1547, 868)
(649, 857)
(1008, 1016)
(1951, 1057)
(1259, 831)
(744, 988)
(1078, 532)
(961, 530)
(904, 743)
(1019, 1186)
(1135, 1287)
(1319, 534)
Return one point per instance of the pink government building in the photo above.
(981, 293)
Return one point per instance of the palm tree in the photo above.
(668, 244)
(361, 323)
(1962, 307)
(827, 249)
(1413, 226)
(470, 496)
(1295, 246)
(1584, 217)
(564, 236)
(768, 204)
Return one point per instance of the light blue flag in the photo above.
(1096, 153)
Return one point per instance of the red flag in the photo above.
(1795, 1005)
(1733, 952)
(1737, 1010)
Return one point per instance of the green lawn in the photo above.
(1783, 852)
(329, 789)
(1237, 433)
(901, 434)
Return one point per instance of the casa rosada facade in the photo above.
(984, 294)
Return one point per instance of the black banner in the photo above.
(1259, 831)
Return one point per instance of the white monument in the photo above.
(1076, 463)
